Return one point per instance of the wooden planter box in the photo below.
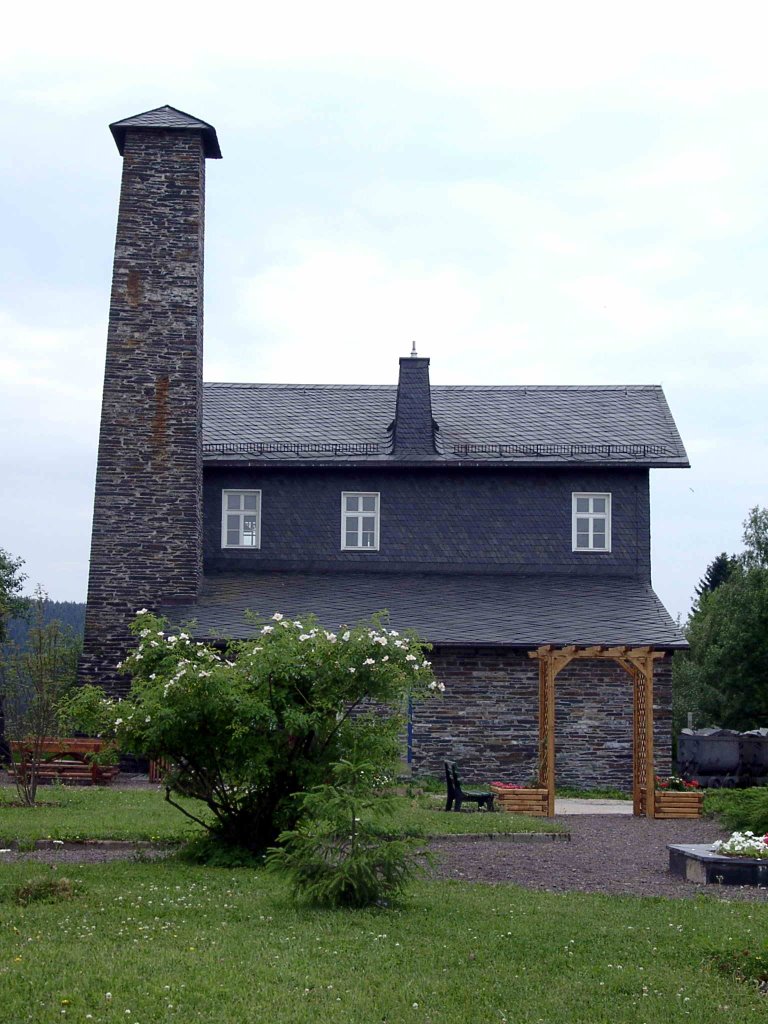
(521, 801)
(668, 804)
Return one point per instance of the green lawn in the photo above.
(173, 943)
(92, 812)
(69, 812)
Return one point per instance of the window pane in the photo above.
(351, 539)
(233, 523)
(582, 526)
(598, 504)
(369, 523)
(233, 537)
(368, 539)
(582, 540)
(250, 531)
(233, 500)
(250, 502)
(352, 504)
(598, 540)
(582, 504)
(369, 504)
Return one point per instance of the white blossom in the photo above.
(743, 844)
(410, 657)
(277, 616)
(267, 629)
(351, 669)
(142, 611)
(345, 635)
(369, 661)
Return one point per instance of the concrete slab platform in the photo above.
(572, 805)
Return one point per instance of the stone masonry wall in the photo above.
(147, 527)
(487, 720)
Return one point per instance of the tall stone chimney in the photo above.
(414, 428)
(146, 546)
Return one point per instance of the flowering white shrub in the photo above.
(743, 844)
(251, 725)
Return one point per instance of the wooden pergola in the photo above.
(638, 663)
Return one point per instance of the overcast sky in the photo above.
(555, 193)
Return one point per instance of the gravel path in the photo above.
(93, 852)
(606, 854)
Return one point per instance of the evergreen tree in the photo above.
(717, 572)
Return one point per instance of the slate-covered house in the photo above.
(493, 520)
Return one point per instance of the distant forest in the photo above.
(69, 613)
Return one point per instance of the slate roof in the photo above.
(446, 609)
(167, 117)
(582, 425)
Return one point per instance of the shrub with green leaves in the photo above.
(340, 854)
(739, 809)
(249, 727)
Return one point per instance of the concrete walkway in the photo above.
(568, 805)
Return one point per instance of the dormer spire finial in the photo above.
(414, 353)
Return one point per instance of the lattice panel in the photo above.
(545, 768)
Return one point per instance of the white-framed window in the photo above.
(359, 521)
(241, 519)
(591, 522)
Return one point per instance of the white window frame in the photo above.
(241, 513)
(345, 515)
(591, 516)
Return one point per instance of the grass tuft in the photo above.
(44, 890)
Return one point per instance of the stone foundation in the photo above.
(487, 720)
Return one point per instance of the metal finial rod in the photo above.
(414, 354)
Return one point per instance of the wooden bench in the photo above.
(458, 796)
(64, 760)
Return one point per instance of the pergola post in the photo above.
(547, 731)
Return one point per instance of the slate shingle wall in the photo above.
(483, 520)
(146, 543)
(488, 719)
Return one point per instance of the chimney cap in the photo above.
(169, 118)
